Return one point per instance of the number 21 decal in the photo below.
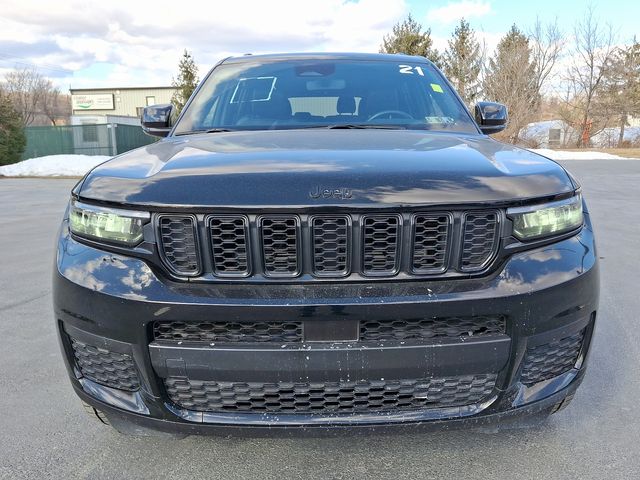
(411, 69)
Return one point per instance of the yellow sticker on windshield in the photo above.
(436, 88)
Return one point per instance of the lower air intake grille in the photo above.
(551, 359)
(330, 397)
(422, 329)
(228, 332)
(178, 243)
(105, 367)
(479, 240)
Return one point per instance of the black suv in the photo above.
(324, 240)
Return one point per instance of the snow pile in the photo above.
(609, 137)
(54, 166)
(565, 155)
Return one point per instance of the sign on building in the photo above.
(103, 101)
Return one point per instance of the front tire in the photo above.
(562, 404)
(95, 414)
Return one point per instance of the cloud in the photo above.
(454, 11)
(143, 42)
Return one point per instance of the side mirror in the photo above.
(156, 120)
(491, 117)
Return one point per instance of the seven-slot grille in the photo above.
(280, 239)
(229, 244)
(431, 236)
(381, 243)
(479, 238)
(329, 245)
(178, 243)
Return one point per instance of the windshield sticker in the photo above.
(256, 89)
(439, 120)
(436, 88)
(410, 69)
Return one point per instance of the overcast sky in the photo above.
(119, 43)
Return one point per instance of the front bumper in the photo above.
(111, 302)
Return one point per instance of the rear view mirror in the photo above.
(156, 120)
(491, 117)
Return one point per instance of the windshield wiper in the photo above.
(353, 126)
(210, 130)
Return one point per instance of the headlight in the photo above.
(110, 225)
(548, 219)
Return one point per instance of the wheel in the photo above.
(95, 413)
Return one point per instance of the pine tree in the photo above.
(186, 82)
(510, 79)
(407, 37)
(12, 137)
(463, 61)
(619, 94)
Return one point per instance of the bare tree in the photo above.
(34, 96)
(594, 49)
(24, 88)
(50, 102)
(547, 44)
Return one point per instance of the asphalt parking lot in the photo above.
(44, 432)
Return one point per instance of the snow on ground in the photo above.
(566, 155)
(53, 166)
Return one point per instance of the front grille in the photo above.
(178, 243)
(330, 246)
(229, 244)
(280, 241)
(381, 244)
(228, 332)
(330, 397)
(357, 246)
(479, 240)
(423, 329)
(430, 238)
(105, 367)
(552, 359)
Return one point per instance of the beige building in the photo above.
(117, 102)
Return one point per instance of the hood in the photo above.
(302, 168)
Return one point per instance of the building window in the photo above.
(151, 101)
(89, 133)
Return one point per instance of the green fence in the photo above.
(103, 139)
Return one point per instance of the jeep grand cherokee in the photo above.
(324, 240)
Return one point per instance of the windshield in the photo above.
(325, 93)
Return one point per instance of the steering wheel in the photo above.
(398, 113)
